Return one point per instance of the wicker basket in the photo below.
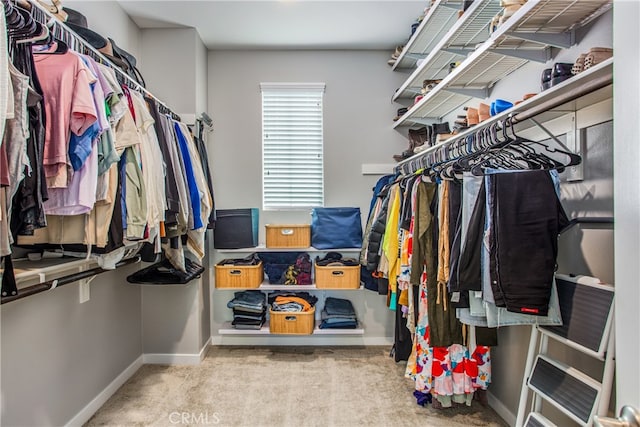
(292, 322)
(288, 236)
(337, 277)
(239, 276)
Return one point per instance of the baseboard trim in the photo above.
(295, 340)
(501, 409)
(92, 407)
(176, 358)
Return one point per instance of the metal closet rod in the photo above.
(587, 87)
(97, 53)
(65, 280)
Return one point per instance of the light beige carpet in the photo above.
(282, 386)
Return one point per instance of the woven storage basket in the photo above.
(292, 322)
(337, 277)
(239, 276)
(288, 236)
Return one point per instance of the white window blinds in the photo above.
(292, 145)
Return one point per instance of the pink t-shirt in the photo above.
(68, 107)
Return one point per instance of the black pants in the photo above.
(525, 219)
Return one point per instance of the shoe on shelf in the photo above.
(417, 99)
(597, 55)
(428, 85)
(473, 117)
(561, 72)
(578, 66)
(391, 62)
(525, 97)
(401, 112)
(444, 136)
(545, 79)
(484, 112)
(499, 105)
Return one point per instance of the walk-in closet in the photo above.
(323, 213)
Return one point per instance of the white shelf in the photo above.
(228, 329)
(601, 74)
(438, 20)
(266, 286)
(522, 38)
(263, 248)
(29, 273)
(467, 31)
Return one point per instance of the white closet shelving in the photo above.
(448, 45)
(436, 23)
(594, 86)
(228, 329)
(526, 36)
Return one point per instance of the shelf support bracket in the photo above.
(415, 55)
(476, 93)
(562, 40)
(575, 144)
(450, 6)
(422, 120)
(537, 55)
(458, 51)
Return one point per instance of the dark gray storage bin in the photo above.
(236, 228)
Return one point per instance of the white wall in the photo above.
(357, 129)
(175, 318)
(58, 354)
(109, 20)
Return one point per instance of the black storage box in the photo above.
(236, 228)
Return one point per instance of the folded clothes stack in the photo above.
(338, 314)
(252, 259)
(292, 301)
(334, 259)
(249, 309)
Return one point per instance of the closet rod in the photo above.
(587, 220)
(96, 52)
(560, 99)
(65, 280)
(589, 86)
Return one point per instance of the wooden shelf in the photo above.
(525, 36)
(228, 329)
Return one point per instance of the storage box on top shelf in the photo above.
(236, 228)
(292, 322)
(239, 276)
(337, 276)
(288, 236)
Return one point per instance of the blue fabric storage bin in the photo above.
(333, 228)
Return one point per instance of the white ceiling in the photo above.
(284, 24)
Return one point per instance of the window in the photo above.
(292, 140)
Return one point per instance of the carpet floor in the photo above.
(282, 386)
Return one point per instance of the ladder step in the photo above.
(586, 308)
(568, 389)
(536, 419)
